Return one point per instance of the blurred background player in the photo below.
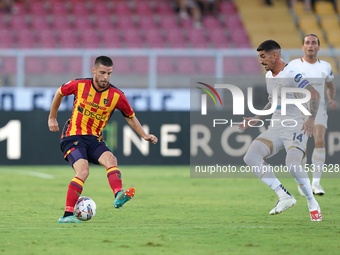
(81, 141)
(319, 72)
(293, 136)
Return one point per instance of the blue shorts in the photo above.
(87, 147)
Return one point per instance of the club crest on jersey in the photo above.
(298, 78)
(106, 101)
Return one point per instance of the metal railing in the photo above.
(152, 55)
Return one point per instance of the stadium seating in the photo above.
(155, 24)
(124, 16)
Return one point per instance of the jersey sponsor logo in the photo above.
(80, 109)
(94, 105)
(298, 78)
(303, 84)
(92, 115)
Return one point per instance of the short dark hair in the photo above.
(269, 45)
(103, 60)
(303, 41)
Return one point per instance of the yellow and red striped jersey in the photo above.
(92, 108)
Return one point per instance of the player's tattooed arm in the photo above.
(314, 101)
(308, 126)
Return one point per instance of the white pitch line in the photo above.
(29, 173)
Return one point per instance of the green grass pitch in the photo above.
(171, 213)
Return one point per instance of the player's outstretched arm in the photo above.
(308, 126)
(330, 90)
(135, 124)
(52, 118)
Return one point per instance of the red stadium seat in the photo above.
(132, 36)
(55, 65)
(222, 45)
(68, 39)
(200, 45)
(164, 8)
(61, 22)
(38, 8)
(227, 7)
(58, 8)
(153, 36)
(250, 65)
(140, 65)
(45, 34)
(8, 65)
(186, 66)
(101, 9)
(34, 65)
(74, 65)
(18, 22)
(89, 38)
(121, 65)
(239, 36)
(25, 35)
(122, 8)
(168, 21)
(196, 36)
(217, 35)
(39, 22)
(111, 39)
(165, 65)
(233, 22)
(206, 65)
(82, 22)
(47, 44)
(178, 44)
(125, 22)
(6, 39)
(211, 22)
(156, 44)
(174, 36)
(104, 23)
(231, 66)
(143, 8)
(80, 8)
(110, 35)
(19, 9)
(69, 44)
(26, 45)
(147, 22)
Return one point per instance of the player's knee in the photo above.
(83, 173)
(293, 161)
(252, 157)
(107, 159)
(256, 153)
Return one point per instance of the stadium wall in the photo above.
(26, 140)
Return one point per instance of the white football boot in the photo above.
(318, 190)
(282, 205)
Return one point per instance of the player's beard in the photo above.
(101, 84)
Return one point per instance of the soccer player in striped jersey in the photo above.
(320, 74)
(81, 141)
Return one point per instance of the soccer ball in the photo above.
(85, 208)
